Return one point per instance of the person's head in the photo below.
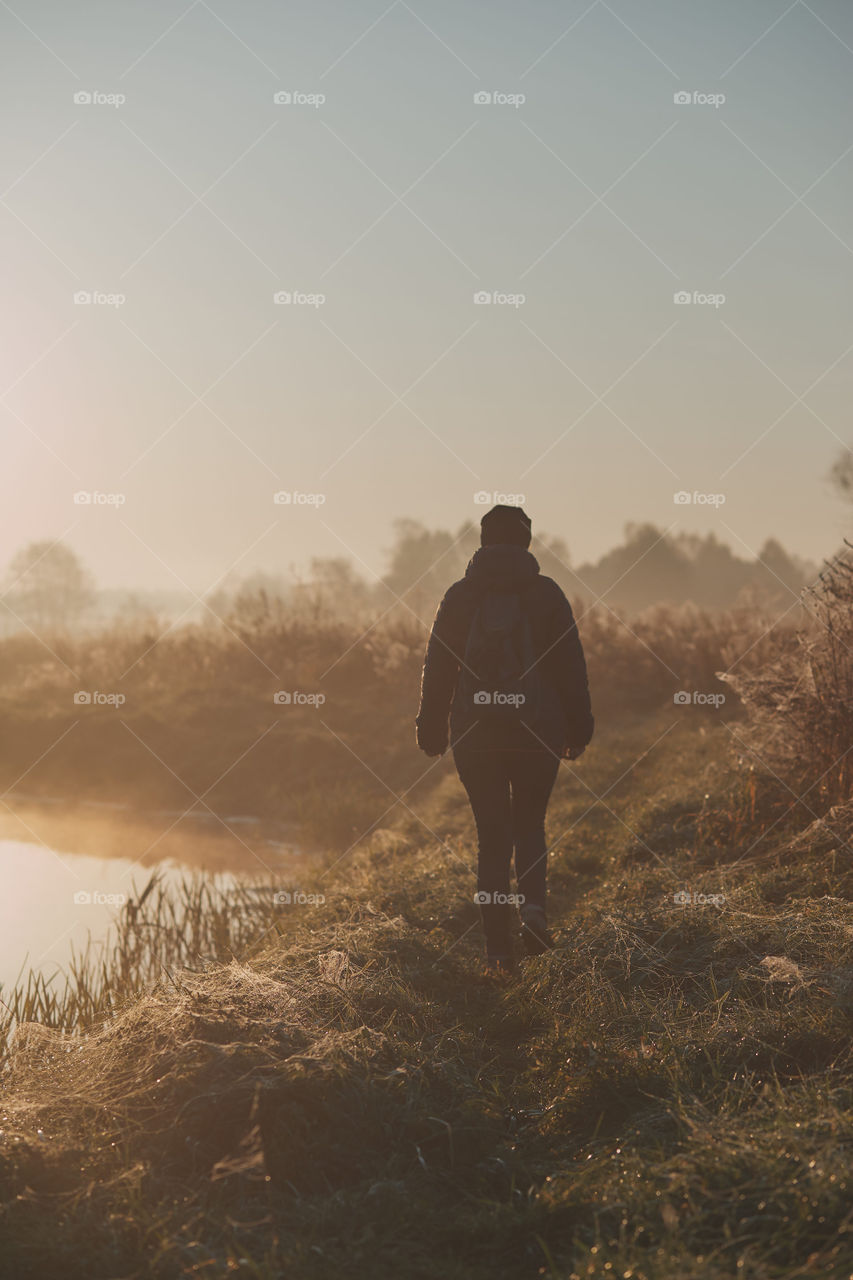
(505, 524)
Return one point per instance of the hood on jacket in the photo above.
(501, 564)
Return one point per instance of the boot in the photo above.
(534, 930)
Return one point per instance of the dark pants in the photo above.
(509, 793)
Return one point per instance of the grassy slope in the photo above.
(356, 1098)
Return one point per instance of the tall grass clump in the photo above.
(158, 934)
(799, 701)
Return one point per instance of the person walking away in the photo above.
(505, 685)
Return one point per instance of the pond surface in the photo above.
(65, 877)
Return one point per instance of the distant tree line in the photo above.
(46, 588)
(648, 567)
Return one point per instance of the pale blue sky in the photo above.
(100, 198)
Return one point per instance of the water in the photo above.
(54, 902)
(67, 888)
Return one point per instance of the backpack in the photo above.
(499, 682)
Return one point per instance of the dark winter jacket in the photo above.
(568, 720)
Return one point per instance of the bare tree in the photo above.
(47, 587)
(841, 474)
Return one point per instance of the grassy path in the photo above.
(668, 1095)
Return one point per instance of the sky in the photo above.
(173, 168)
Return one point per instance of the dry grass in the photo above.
(242, 1089)
(667, 1095)
(800, 699)
(199, 717)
